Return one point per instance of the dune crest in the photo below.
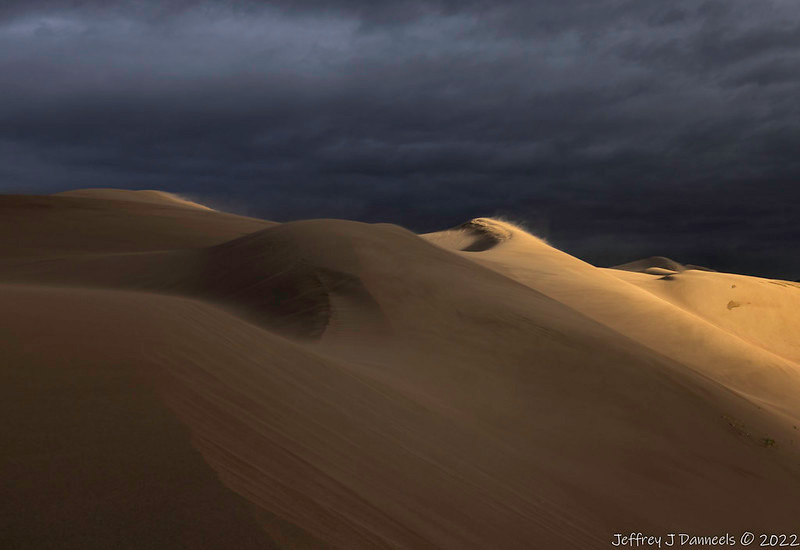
(616, 299)
(657, 265)
(57, 225)
(150, 196)
(476, 235)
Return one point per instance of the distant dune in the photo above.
(148, 196)
(657, 265)
(179, 377)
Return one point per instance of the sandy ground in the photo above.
(149, 196)
(175, 376)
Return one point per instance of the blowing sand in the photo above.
(175, 376)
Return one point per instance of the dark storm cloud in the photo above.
(617, 128)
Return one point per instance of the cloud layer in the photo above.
(617, 128)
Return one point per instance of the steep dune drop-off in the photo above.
(348, 385)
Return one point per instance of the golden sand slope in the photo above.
(760, 311)
(753, 355)
(359, 386)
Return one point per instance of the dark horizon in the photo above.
(614, 129)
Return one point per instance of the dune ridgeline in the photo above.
(178, 377)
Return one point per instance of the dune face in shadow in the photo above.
(487, 234)
(476, 235)
(270, 277)
(92, 456)
(32, 226)
(185, 377)
(263, 275)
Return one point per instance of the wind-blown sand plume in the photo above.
(360, 386)
(473, 236)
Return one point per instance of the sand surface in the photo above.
(175, 376)
(149, 196)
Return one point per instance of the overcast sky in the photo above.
(617, 129)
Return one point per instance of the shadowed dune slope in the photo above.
(284, 277)
(58, 225)
(91, 455)
(473, 236)
(359, 386)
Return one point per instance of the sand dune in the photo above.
(149, 196)
(60, 225)
(608, 297)
(334, 384)
(760, 311)
(657, 265)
